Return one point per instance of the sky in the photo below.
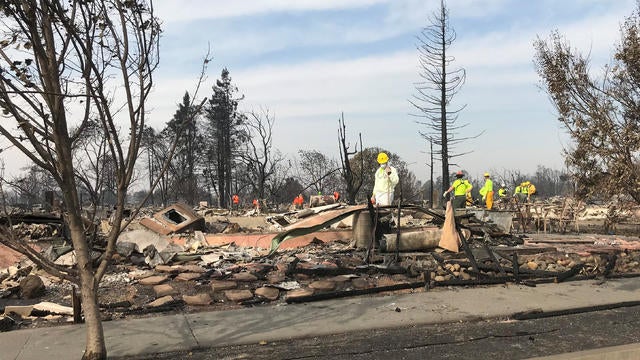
(308, 61)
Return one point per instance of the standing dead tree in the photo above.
(259, 157)
(64, 65)
(439, 84)
(353, 181)
(600, 113)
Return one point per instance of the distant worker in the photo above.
(502, 192)
(487, 191)
(386, 179)
(235, 199)
(460, 187)
(336, 196)
(524, 191)
(256, 206)
(531, 190)
(298, 201)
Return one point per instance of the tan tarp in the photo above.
(449, 239)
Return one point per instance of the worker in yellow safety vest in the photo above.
(487, 191)
(524, 191)
(460, 188)
(502, 192)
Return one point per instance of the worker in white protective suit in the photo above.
(386, 180)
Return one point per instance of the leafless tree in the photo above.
(317, 171)
(600, 113)
(260, 158)
(353, 182)
(438, 85)
(84, 60)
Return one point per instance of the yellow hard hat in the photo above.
(486, 175)
(383, 158)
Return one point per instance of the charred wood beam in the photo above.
(553, 279)
(116, 305)
(569, 273)
(76, 304)
(390, 270)
(516, 268)
(611, 264)
(347, 293)
(467, 249)
(441, 262)
(373, 214)
(483, 281)
(427, 280)
(31, 219)
(291, 267)
(623, 275)
(397, 252)
(493, 258)
(539, 314)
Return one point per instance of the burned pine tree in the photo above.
(353, 181)
(438, 85)
(225, 127)
(600, 113)
(182, 171)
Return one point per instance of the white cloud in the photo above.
(186, 10)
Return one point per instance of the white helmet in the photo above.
(503, 184)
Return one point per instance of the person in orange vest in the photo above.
(256, 206)
(298, 201)
(236, 201)
(336, 196)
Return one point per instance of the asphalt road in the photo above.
(495, 340)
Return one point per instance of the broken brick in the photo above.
(244, 277)
(187, 276)
(219, 285)
(153, 280)
(269, 293)
(198, 299)
(238, 295)
(164, 290)
(161, 301)
(325, 285)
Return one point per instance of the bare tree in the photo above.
(260, 159)
(317, 171)
(352, 181)
(438, 85)
(600, 112)
(85, 60)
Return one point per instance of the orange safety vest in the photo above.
(236, 199)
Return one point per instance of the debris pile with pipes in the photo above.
(180, 259)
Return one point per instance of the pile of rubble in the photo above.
(183, 260)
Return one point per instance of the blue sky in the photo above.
(309, 60)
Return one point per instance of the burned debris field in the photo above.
(180, 259)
